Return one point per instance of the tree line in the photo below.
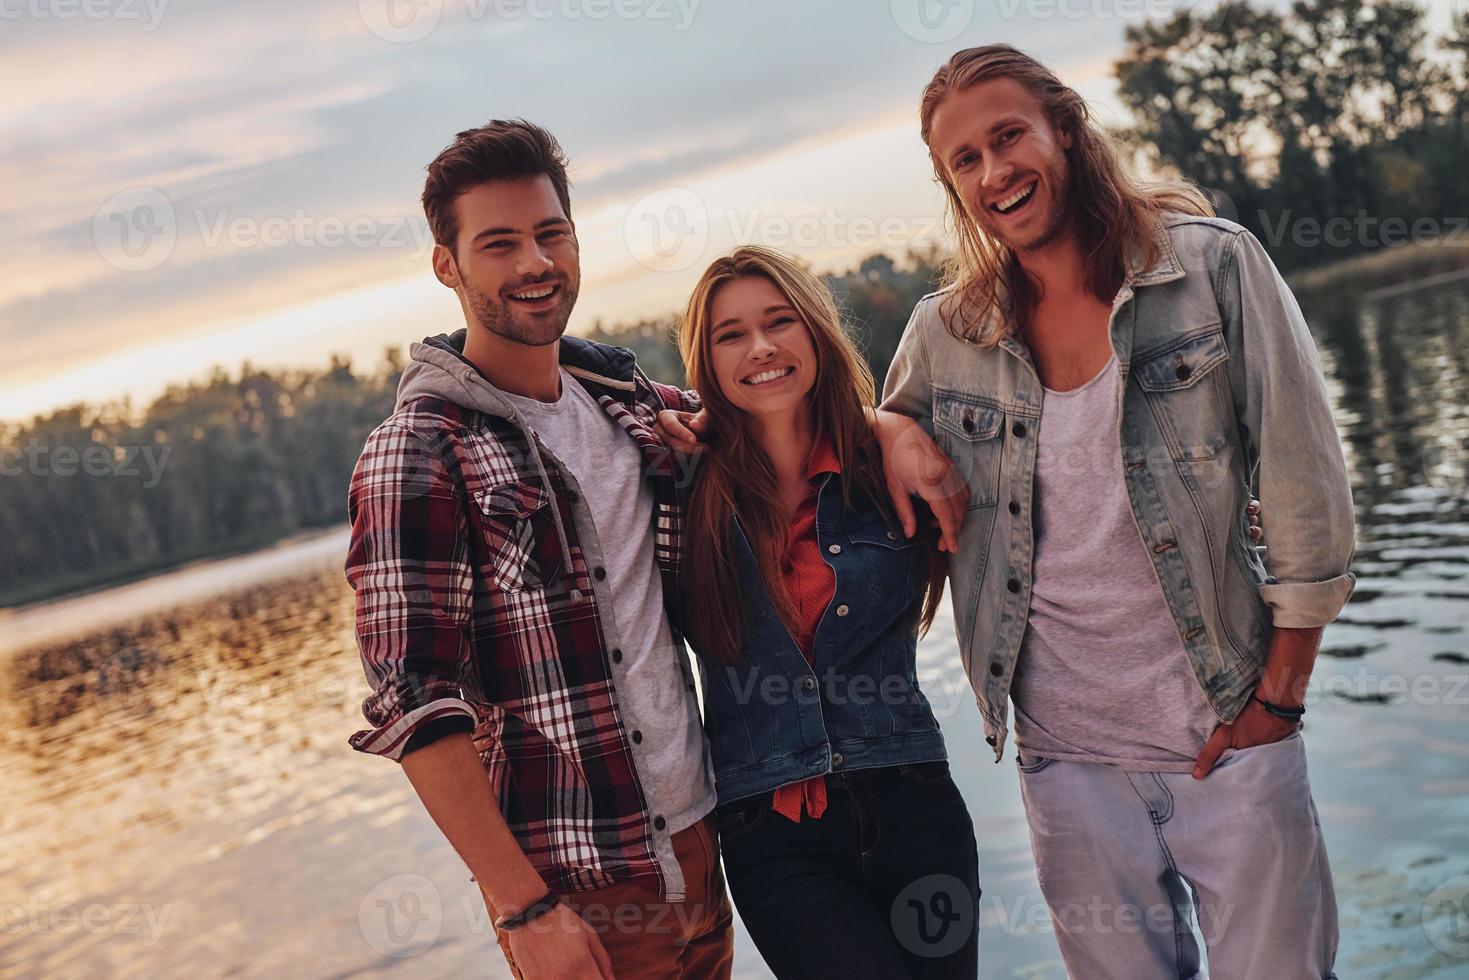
(1333, 109)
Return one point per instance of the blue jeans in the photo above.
(884, 884)
(1129, 862)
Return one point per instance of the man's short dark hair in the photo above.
(502, 149)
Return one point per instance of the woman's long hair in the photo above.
(991, 297)
(737, 478)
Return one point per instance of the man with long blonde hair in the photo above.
(1110, 367)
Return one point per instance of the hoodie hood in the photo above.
(437, 369)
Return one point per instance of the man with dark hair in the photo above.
(1110, 366)
(515, 556)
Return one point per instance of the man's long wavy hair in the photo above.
(737, 478)
(1114, 212)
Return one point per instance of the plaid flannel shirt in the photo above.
(467, 620)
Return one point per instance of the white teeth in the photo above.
(535, 294)
(1015, 198)
(771, 375)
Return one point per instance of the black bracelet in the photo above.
(532, 912)
(1289, 714)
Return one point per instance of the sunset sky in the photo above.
(196, 182)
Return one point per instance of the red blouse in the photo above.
(811, 584)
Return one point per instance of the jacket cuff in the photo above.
(391, 739)
(1307, 605)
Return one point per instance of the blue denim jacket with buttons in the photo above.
(1221, 386)
(775, 719)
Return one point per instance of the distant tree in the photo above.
(1332, 109)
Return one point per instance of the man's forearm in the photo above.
(449, 778)
(1288, 666)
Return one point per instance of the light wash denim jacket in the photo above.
(1222, 384)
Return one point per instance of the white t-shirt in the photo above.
(651, 693)
(1102, 674)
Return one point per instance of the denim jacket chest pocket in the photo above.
(887, 567)
(968, 430)
(1187, 390)
(518, 534)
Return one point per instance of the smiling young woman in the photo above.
(806, 602)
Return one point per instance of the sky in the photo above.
(191, 183)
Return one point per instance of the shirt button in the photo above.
(659, 823)
(637, 737)
(808, 683)
(835, 549)
(600, 573)
(842, 610)
(837, 760)
(892, 535)
(996, 670)
(1183, 372)
(990, 739)
(1013, 585)
(1019, 430)
(1014, 507)
(571, 497)
(617, 655)
(968, 423)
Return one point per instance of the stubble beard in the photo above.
(1057, 181)
(499, 317)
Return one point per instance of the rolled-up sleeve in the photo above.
(1281, 399)
(408, 565)
(678, 399)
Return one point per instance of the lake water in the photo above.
(180, 801)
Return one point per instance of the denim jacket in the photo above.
(1221, 387)
(775, 719)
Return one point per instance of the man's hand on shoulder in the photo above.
(914, 465)
(683, 431)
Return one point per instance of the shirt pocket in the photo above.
(1188, 391)
(890, 562)
(519, 531)
(968, 430)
